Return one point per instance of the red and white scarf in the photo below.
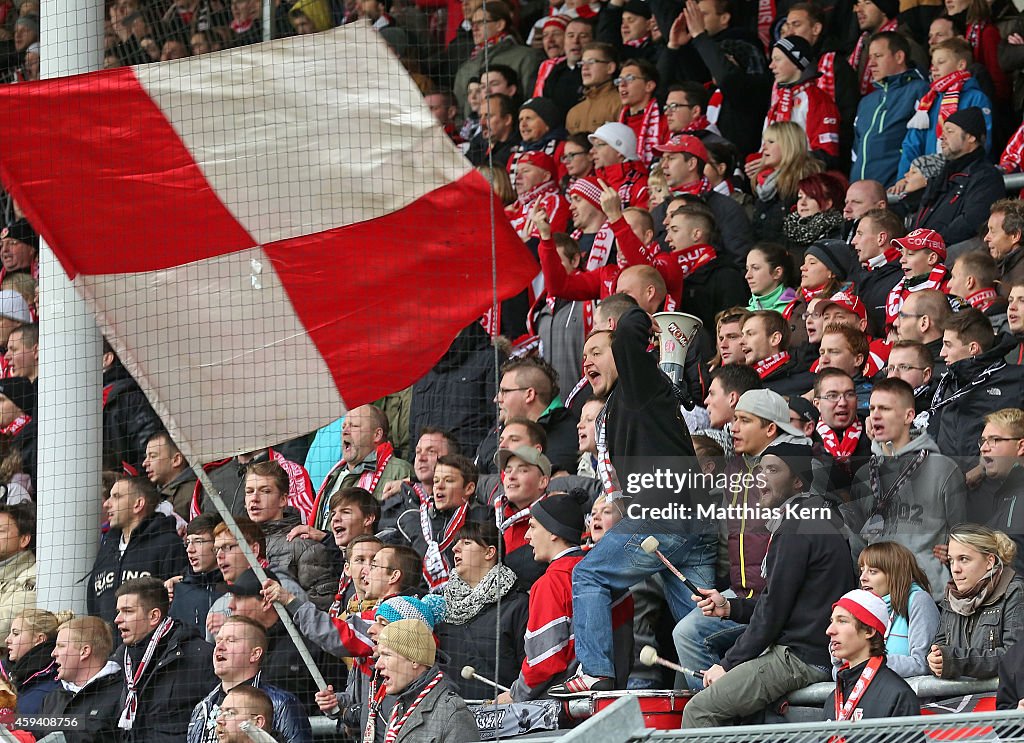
(605, 469)
(827, 74)
(949, 88)
(865, 75)
(368, 480)
(765, 19)
(808, 294)
(844, 710)
(395, 723)
(698, 124)
(479, 48)
(650, 130)
(783, 98)
(768, 366)
(132, 678)
(891, 254)
(693, 257)
(894, 302)
(983, 299)
(542, 74)
(436, 570)
(375, 698)
(601, 249)
(15, 426)
(715, 106)
(840, 449)
(696, 188)
(300, 490)
(637, 43)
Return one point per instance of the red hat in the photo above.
(684, 143)
(538, 159)
(867, 607)
(849, 302)
(555, 20)
(922, 239)
(587, 188)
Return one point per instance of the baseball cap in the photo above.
(769, 405)
(528, 454)
(922, 239)
(684, 143)
(849, 302)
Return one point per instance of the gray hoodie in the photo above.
(928, 504)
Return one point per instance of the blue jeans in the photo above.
(702, 641)
(618, 562)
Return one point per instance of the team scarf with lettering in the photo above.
(436, 570)
(605, 470)
(974, 32)
(765, 19)
(395, 723)
(858, 51)
(374, 699)
(890, 255)
(650, 130)
(132, 678)
(949, 88)
(844, 710)
(826, 80)
(783, 96)
(16, 425)
(601, 250)
(693, 257)
(983, 299)
(935, 279)
(767, 366)
(840, 449)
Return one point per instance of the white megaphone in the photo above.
(677, 333)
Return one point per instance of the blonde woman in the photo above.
(983, 608)
(30, 665)
(785, 160)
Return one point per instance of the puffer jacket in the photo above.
(308, 561)
(881, 125)
(956, 423)
(972, 646)
(440, 717)
(290, 722)
(920, 515)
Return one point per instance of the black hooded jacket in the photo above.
(154, 549)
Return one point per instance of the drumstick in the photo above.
(649, 657)
(468, 672)
(650, 546)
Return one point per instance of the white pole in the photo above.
(68, 411)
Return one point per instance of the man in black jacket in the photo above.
(956, 203)
(879, 270)
(641, 418)
(167, 666)
(128, 419)
(193, 593)
(808, 568)
(141, 542)
(90, 685)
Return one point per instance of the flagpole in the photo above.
(261, 575)
(68, 410)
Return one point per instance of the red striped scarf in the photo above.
(858, 51)
(949, 88)
(827, 74)
(650, 130)
(783, 97)
(768, 366)
(840, 449)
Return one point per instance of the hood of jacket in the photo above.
(919, 440)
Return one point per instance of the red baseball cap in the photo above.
(684, 143)
(538, 159)
(922, 239)
(849, 302)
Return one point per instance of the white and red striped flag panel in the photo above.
(267, 235)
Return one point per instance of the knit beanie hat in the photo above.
(798, 457)
(929, 165)
(971, 120)
(562, 515)
(547, 110)
(411, 639)
(867, 607)
(428, 609)
(620, 137)
(891, 8)
(21, 231)
(21, 392)
(587, 189)
(638, 7)
(838, 257)
(797, 49)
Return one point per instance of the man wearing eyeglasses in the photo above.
(1002, 452)
(601, 100)
(912, 362)
(685, 108)
(921, 319)
(195, 592)
(839, 432)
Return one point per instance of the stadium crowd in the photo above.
(821, 185)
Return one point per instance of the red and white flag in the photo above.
(268, 235)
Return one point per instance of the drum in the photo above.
(661, 709)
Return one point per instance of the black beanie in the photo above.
(971, 120)
(797, 49)
(637, 7)
(798, 457)
(838, 257)
(21, 392)
(21, 231)
(891, 8)
(547, 110)
(562, 515)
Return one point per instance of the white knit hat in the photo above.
(620, 137)
(867, 607)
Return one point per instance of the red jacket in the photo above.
(582, 285)
(816, 114)
(630, 180)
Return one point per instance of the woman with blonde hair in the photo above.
(500, 183)
(890, 571)
(784, 161)
(30, 665)
(983, 609)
